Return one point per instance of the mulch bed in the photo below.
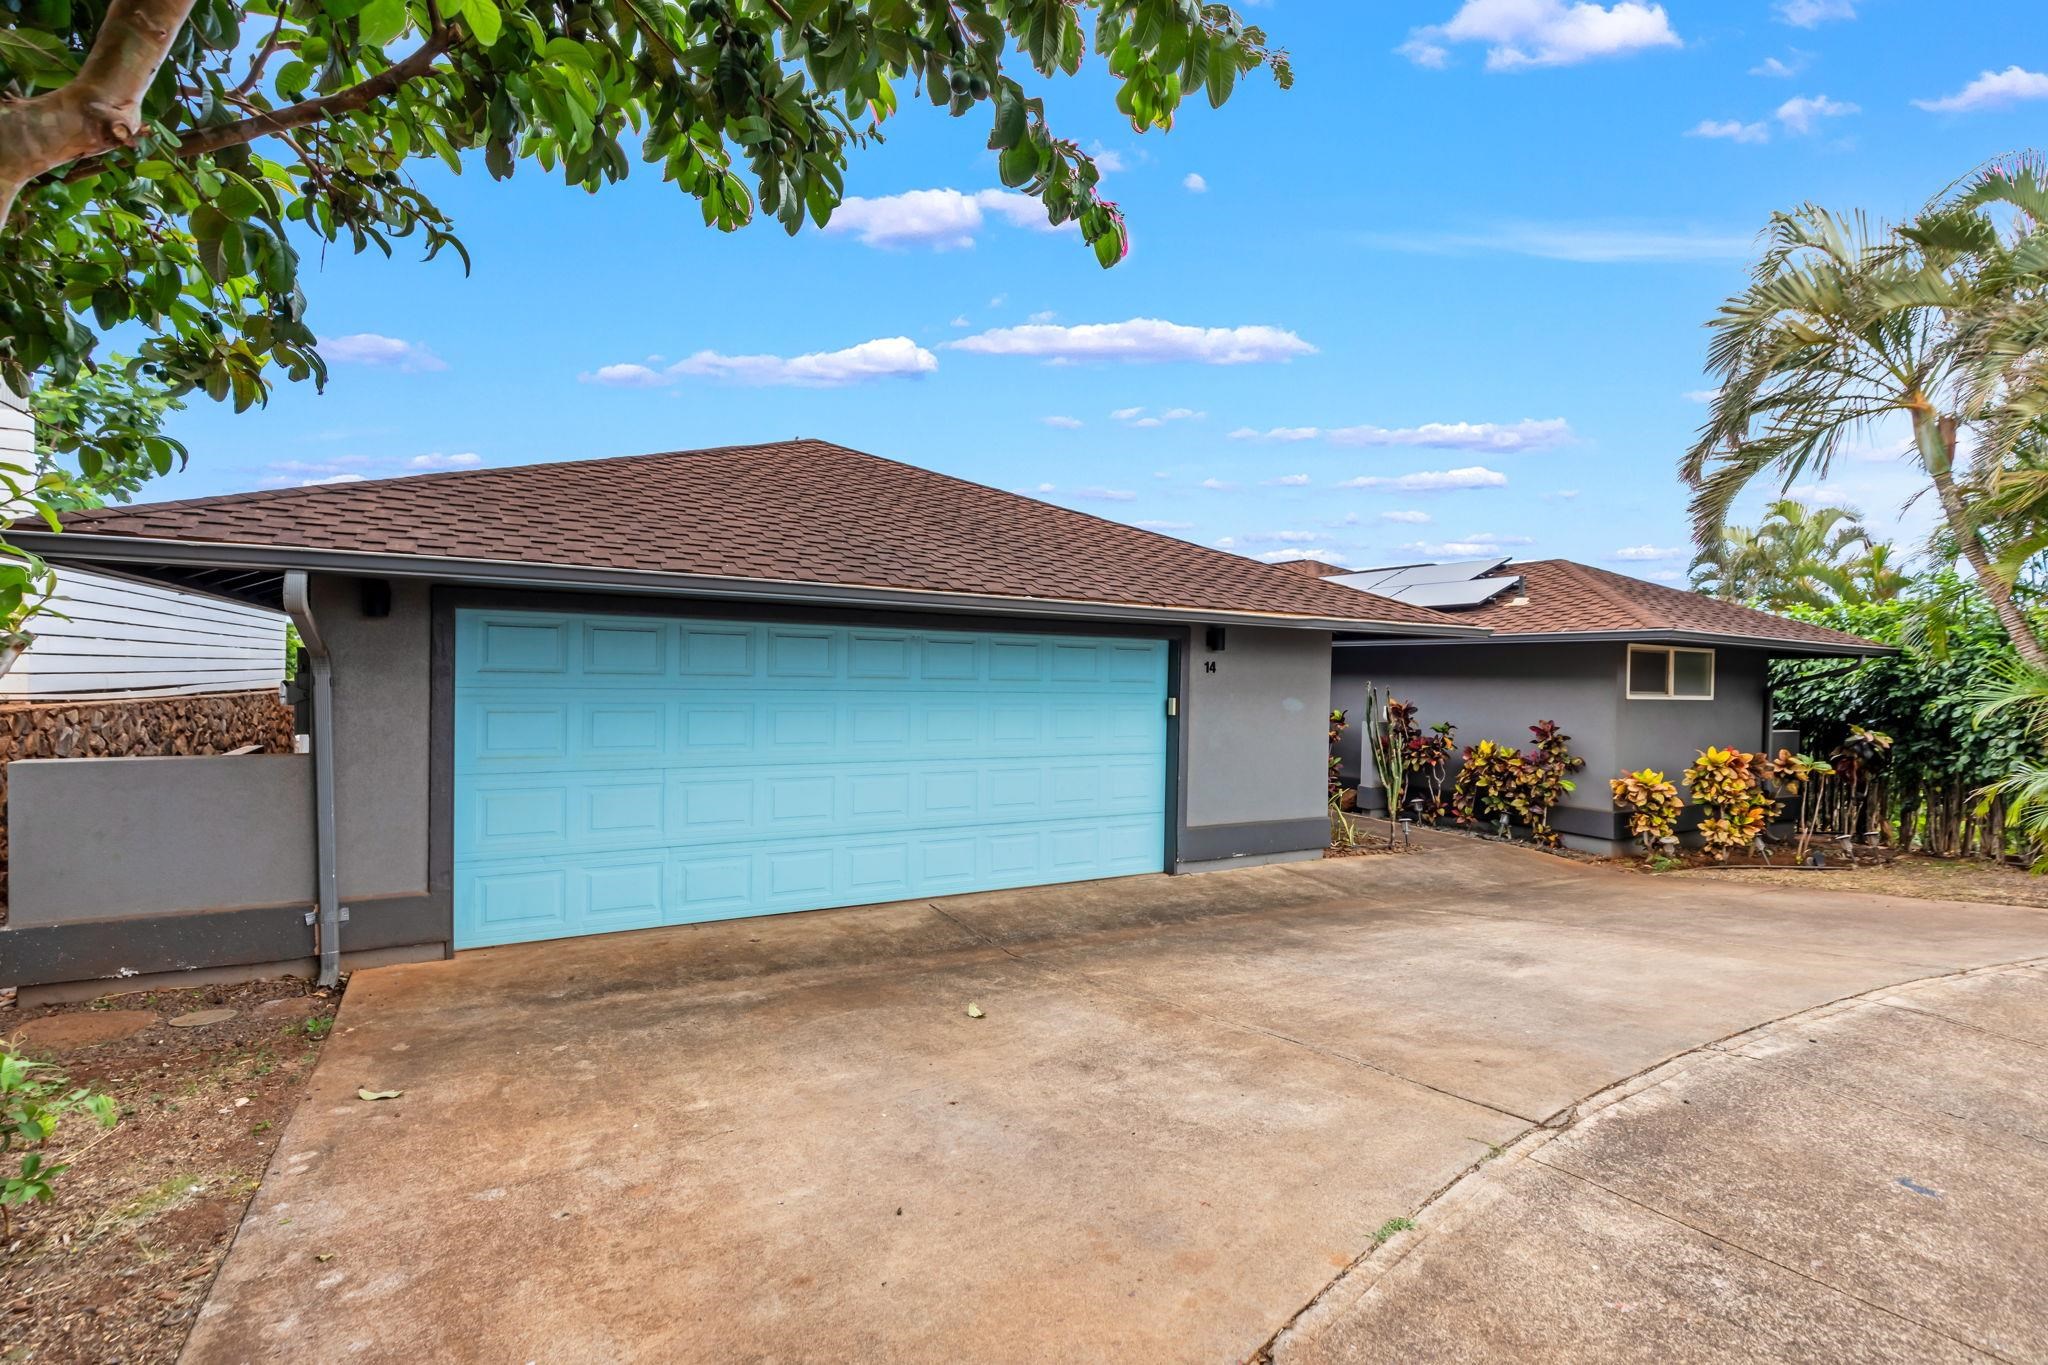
(116, 1268)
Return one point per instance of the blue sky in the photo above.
(1445, 294)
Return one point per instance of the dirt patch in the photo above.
(1910, 874)
(116, 1268)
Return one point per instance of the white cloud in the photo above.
(1164, 525)
(1217, 485)
(1062, 423)
(1330, 557)
(1701, 395)
(941, 220)
(1527, 434)
(1044, 315)
(962, 320)
(1432, 480)
(1733, 130)
(1650, 554)
(1102, 494)
(1528, 33)
(1484, 543)
(1813, 13)
(626, 376)
(1799, 113)
(1281, 537)
(1561, 495)
(1992, 90)
(1289, 481)
(1107, 159)
(1589, 243)
(1407, 517)
(1283, 434)
(1138, 417)
(882, 358)
(1140, 340)
(368, 348)
(1666, 576)
(1193, 183)
(1780, 70)
(357, 468)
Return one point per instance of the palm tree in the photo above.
(1942, 322)
(1798, 556)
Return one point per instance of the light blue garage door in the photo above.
(617, 772)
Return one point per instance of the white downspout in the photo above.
(298, 605)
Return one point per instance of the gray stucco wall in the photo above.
(106, 838)
(382, 705)
(1668, 735)
(1497, 691)
(1491, 692)
(1255, 744)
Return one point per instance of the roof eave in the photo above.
(84, 548)
(1847, 648)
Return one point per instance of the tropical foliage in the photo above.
(1936, 325)
(1652, 804)
(1504, 785)
(1799, 556)
(1728, 786)
(1926, 701)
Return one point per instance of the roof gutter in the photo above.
(82, 548)
(298, 605)
(1785, 648)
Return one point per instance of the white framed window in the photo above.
(1667, 673)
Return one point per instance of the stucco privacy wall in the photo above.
(117, 727)
(105, 838)
(1256, 744)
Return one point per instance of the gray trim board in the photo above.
(1215, 843)
(73, 547)
(195, 940)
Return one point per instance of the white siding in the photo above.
(109, 637)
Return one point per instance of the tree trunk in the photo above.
(1936, 438)
(98, 109)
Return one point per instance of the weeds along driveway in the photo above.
(1188, 1107)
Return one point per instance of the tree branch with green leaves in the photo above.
(163, 161)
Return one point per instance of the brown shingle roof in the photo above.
(1567, 598)
(798, 511)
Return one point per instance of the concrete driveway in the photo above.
(1190, 1104)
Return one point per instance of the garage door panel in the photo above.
(614, 772)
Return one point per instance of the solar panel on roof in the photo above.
(1452, 596)
(1461, 583)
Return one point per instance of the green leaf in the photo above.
(381, 21)
(485, 20)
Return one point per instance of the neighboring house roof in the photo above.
(1559, 599)
(1311, 568)
(799, 512)
(1562, 597)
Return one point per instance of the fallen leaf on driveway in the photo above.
(378, 1094)
(974, 1011)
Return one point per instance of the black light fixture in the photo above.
(1214, 639)
(376, 597)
